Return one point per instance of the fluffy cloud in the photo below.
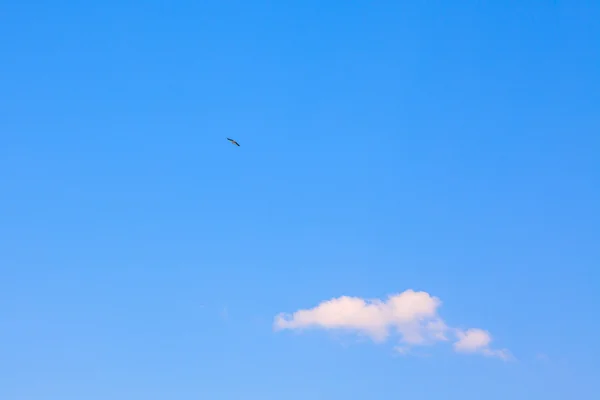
(478, 341)
(412, 315)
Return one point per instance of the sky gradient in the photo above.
(446, 152)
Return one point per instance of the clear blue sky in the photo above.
(448, 147)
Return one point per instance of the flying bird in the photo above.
(233, 141)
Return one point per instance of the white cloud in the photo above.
(478, 341)
(402, 350)
(412, 315)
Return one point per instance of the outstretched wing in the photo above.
(233, 141)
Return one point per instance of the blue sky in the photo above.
(450, 148)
